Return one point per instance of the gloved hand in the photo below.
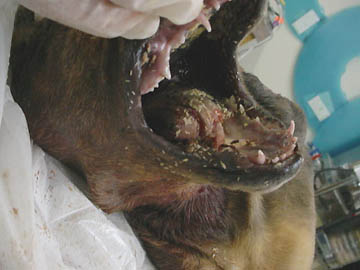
(132, 19)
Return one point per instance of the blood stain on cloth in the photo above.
(15, 211)
(5, 174)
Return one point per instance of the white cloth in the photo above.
(132, 19)
(177, 11)
(46, 221)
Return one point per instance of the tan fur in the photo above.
(279, 235)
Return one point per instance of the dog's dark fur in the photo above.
(75, 91)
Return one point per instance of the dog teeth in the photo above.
(183, 39)
(242, 109)
(204, 21)
(167, 73)
(284, 155)
(261, 158)
(257, 119)
(294, 139)
(291, 128)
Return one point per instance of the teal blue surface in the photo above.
(295, 9)
(341, 131)
(318, 71)
(347, 157)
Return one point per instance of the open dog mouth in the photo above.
(227, 130)
(206, 123)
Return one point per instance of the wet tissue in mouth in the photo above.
(198, 123)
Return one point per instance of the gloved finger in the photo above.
(177, 11)
(98, 17)
(144, 29)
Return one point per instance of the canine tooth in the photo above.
(291, 128)
(261, 158)
(167, 73)
(223, 165)
(257, 119)
(283, 156)
(275, 160)
(294, 139)
(182, 40)
(242, 109)
(204, 21)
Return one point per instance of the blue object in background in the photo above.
(341, 131)
(323, 60)
(295, 9)
(326, 52)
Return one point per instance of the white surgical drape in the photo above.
(45, 220)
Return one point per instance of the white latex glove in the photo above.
(132, 19)
(177, 11)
